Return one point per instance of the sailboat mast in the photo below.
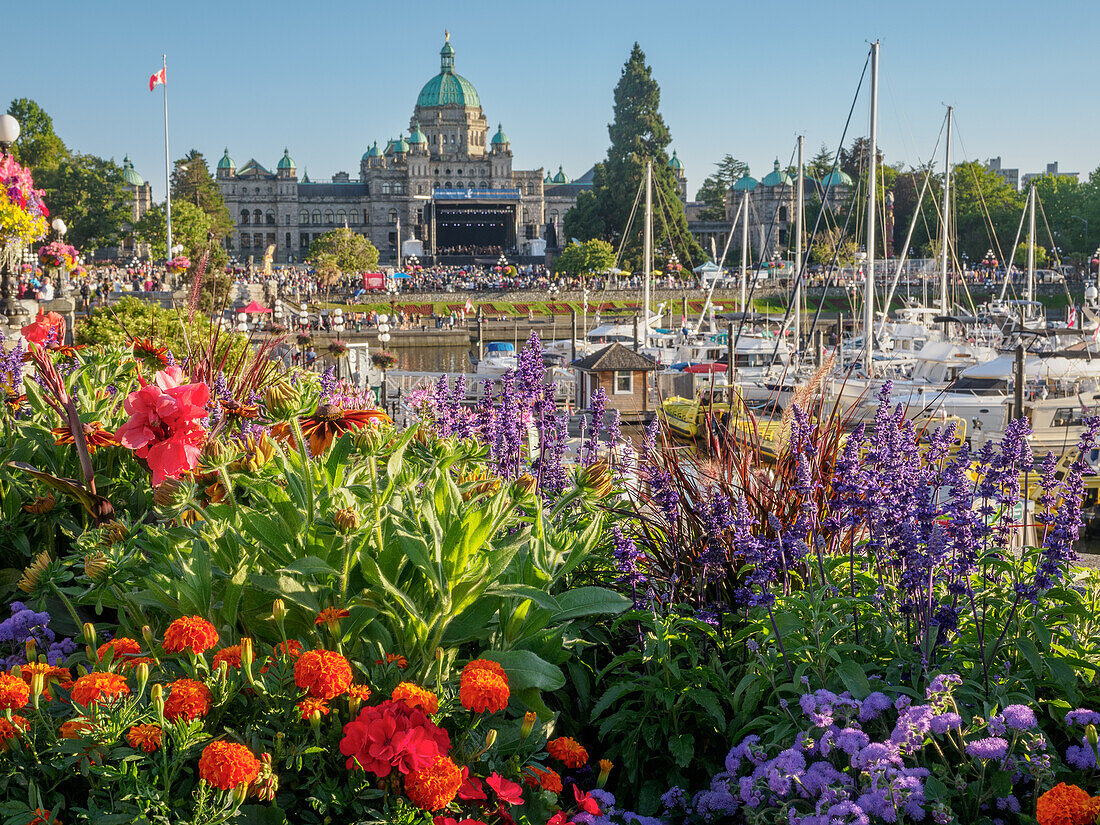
(744, 249)
(946, 216)
(1031, 248)
(872, 185)
(647, 245)
(798, 208)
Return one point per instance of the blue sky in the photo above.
(328, 78)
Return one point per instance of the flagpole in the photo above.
(167, 173)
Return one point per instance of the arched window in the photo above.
(316, 216)
(385, 187)
(554, 216)
(341, 217)
(782, 214)
(483, 185)
(459, 173)
(270, 216)
(257, 216)
(303, 217)
(366, 216)
(244, 216)
(447, 185)
(393, 217)
(353, 217)
(328, 216)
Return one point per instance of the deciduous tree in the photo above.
(342, 251)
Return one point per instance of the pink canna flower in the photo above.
(164, 426)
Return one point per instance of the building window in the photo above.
(393, 217)
(303, 217)
(554, 216)
(783, 214)
(244, 216)
(366, 216)
(353, 216)
(459, 173)
(624, 382)
(288, 240)
(257, 240)
(328, 216)
(385, 188)
(483, 185)
(287, 222)
(341, 217)
(270, 216)
(303, 241)
(257, 216)
(316, 216)
(419, 189)
(244, 240)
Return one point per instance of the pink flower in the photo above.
(164, 426)
(393, 735)
(471, 787)
(509, 792)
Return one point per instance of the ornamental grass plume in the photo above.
(568, 751)
(188, 700)
(227, 765)
(416, 697)
(483, 687)
(434, 786)
(323, 674)
(191, 633)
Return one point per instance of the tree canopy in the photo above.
(38, 146)
(638, 134)
(191, 228)
(91, 196)
(594, 255)
(714, 188)
(342, 251)
(192, 182)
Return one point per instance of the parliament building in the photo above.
(446, 191)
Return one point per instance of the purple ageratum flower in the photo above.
(851, 740)
(847, 813)
(913, 725)
(1081, 716)
(1083, 756)
(873, 706)
(992, 747)
(818, 707)
(878, 755)
(1020, 717)
(945, 722)
(675, 800)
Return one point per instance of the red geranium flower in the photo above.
(471, 788)
(509, 792)
(585, 802)
(46, 327)
(164, 426)
(393, 735)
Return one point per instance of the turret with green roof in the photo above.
(131, 177)
(776, 177)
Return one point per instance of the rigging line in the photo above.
(836, 250)
(629, 223)
(991, 230)
(680, 237)
(912, 226)
(1010, 264)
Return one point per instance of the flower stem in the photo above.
(307, 467)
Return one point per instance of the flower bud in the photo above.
(142, 674)
(605, 769)
(278, 610)
(248, 655)
(596, 480)
(526, 484)
(147, 635)
(32, 649)
(89, 634)
(95, 566)
(114, 532)
(1090, 735)
(168, 493)
(281, 400)
(528, 724)
(240, 794)
(266, 784)
(156, 696)
(38, 684)
(490, 738)
(40, 505)
(346, 520)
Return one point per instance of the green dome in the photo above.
(499, 138)
(836, 179)
(674, 162)
(548, 179)
(560, 177)
(226, 162)
(373, 152)
(285, 161)
(448, 88)
(400, 146)
(776, 178)
(416, 136)
(745, 184)
(131, 177)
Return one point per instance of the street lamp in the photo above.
(63, 272)
(9, 132)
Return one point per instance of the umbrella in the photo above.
(401, 275)
(254, 308)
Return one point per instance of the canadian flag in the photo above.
(1071, 317)
(157, 79)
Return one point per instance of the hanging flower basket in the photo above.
(57, 254)
(23, 213)
(338, 349)
(179, 264)
(384, 360)
(304, 340)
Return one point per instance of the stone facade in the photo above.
(446, 174)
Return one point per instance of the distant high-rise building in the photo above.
(1010, 176)
(1052, 171)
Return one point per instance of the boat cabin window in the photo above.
(1068, 416)
(624, 382)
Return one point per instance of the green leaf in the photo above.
(310, 566)
(854, 679)
(1031, 652)
(682, 748)
(526, 670)
(523, 591)
(588, 601)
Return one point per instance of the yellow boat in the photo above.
(686, 417)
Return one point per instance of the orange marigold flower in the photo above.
(75, 728)
(63, 677)
(99, 687)
(11, 730)
(435, 786)
(42, 816)
(230, 655)
(1065, 805)
(331, 614)
(192, 633)
(145, 737)
(14, 692)
(391, 658)
(483, 689)
(360, 692)
(130, 664)
(309, 706)
(291, 649)
(122, 648)
(323, 674)
(568, 751)
(225, 765)
(416, 697)
(544, 778)
(188, 700)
